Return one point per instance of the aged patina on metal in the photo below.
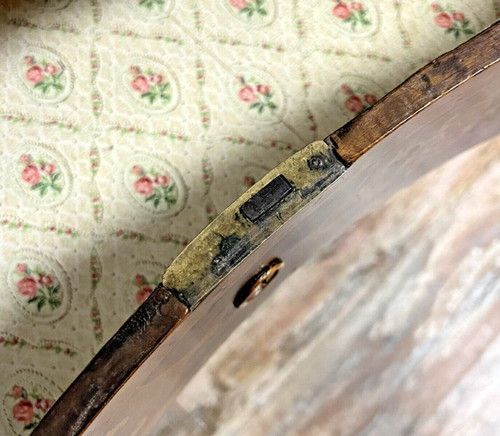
(250, 220)
(153, 354)
(263, 201)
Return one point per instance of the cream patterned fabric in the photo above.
(127, 125)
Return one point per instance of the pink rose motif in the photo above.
(134, 70)
(137, 170)
(354, 104)
(263, 89)
(35, 74)
(31, 175)
(370, 99)
(46, 280)
(17, 391)
(144, 186)
(23, 411)
(162, 180)
(249, 181)
(143, 294)
(21, 268)
(357, 6)
(25, 159)
(341, 10)
(238, 4)
(247, 95)
(443, 20)
(435, 7)
(156, 79)
(28, 60)
(44, 404)
(139, 279)
(458, 16)
(48, 168)
(140, 84)
(27, 287)
(51, 69)
(345, 89)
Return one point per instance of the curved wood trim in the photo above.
(309, 172)
(233, 235)
(424, 87)
(117, 360)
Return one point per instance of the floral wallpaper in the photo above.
(127, 125)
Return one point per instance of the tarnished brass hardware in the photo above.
(258, 282)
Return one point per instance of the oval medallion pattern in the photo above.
(153, 8)
(40, 286)
(151, 85)
(255, 13)
(258, 95)
(456, 23)
(355, 94)
(248, 176)
(42, 175)
(145, 279)
(155, 185)
(353, 18)
(45, 75)
(27, 398)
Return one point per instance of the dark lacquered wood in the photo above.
(114, 364)
(460, 119)
(463, 118)
(430, 83)
(355, 349)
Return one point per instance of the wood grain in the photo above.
(430, 83)
(113, 365)
(395, 331)
(452, 124)
(447, 127)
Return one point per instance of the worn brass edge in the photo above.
(231, 237)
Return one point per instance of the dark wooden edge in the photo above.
(117, 360)
(162, 312)
(425, 86)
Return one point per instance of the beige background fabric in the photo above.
(126, 126)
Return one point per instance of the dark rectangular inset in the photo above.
(266, 198)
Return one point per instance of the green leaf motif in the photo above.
(151, 4)
(166, 194)
(264, 102)
(47, 184)
(158, 92)
(46, 295)
(51, 84)
(254, 7)
(358, 17)
(460, 28)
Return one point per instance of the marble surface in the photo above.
(395, 330)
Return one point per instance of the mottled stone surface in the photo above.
(395, 331)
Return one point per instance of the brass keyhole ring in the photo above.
(258, 282)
